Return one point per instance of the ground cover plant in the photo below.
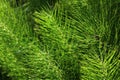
(59, 40)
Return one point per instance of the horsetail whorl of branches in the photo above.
(59, 40)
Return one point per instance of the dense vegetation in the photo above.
(59, 40)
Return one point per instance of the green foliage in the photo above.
(60, 39)
(20, 55)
